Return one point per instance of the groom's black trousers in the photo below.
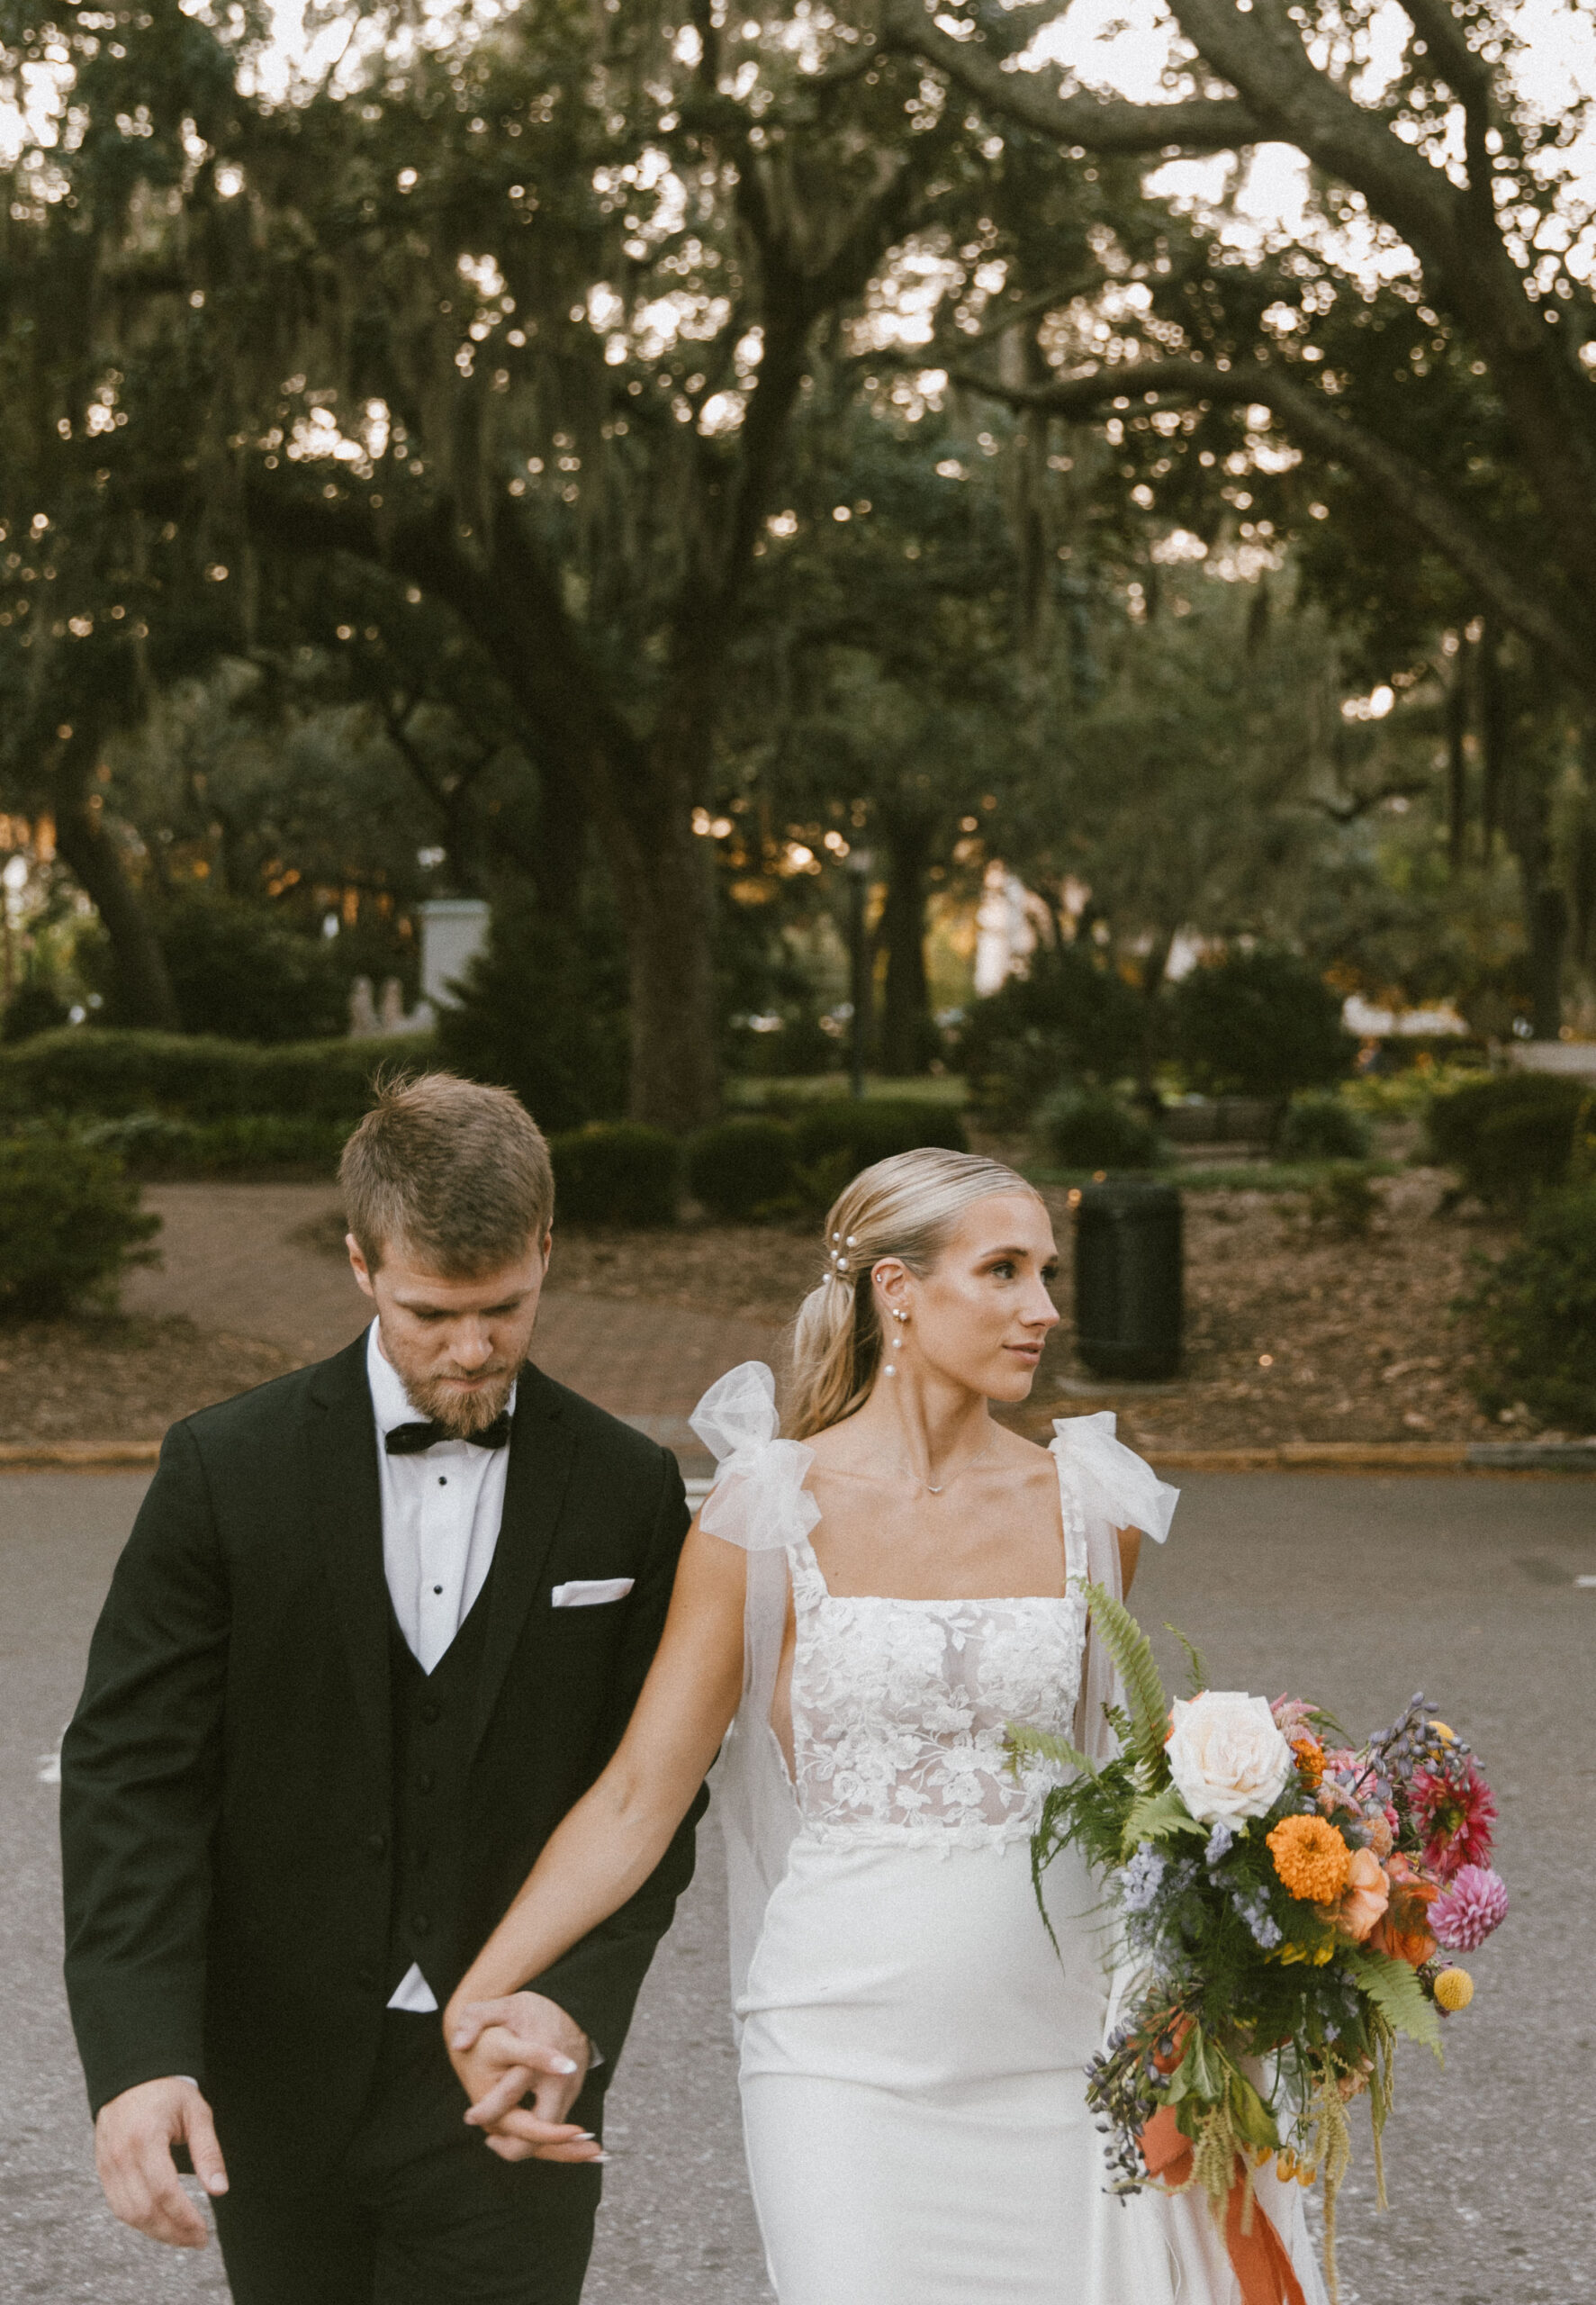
(415, 2211)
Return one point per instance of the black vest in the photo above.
(432, 1745)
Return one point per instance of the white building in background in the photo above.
(1361, 1017)
(1005, 930)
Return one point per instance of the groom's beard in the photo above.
(440, 1397)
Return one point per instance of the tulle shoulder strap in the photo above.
(759, 1500)
(1113, 1483)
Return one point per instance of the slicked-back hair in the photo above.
(458, 1174)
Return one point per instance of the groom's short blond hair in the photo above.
(459, 1173)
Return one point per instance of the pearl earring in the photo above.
(894, 1339)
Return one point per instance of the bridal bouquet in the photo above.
(1289, 1904)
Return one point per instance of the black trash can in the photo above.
(1128, 1260)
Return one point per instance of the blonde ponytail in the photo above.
(903, 1207)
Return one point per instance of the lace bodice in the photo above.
(899, 1708)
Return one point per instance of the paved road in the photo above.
(1352, 1591)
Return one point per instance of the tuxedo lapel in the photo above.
(540, 1454)
(346, 1500)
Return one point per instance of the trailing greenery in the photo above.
(109, 1072)
(1088, 1128)
(1538, 1314)
(1514, 1136)
(70, 1224)
(617, 1173)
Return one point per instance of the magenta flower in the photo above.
(1474, 1903)
(1454, 1812)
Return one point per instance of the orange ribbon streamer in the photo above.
(1258, 2258)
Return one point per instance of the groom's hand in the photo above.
(133, 2140)
(502, 2050)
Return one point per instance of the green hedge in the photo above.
(617, 1173)
(1514, 1136)
(744, 1169)
(1087, 1128)
(747, 1169)
(864, 1130)
(1319, 1125)
(70, 1222)
(1538, 1315)
(151, 1145)
(88, 1069)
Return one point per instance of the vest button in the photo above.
(421, 1922)
(425, 1781)
(377, 1844)
(430, 1711)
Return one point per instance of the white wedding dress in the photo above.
(912, 2044)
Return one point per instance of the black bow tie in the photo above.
(409, 1440)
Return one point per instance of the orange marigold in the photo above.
(1309, 1755)
(1310, 1857)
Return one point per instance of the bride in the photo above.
(866, 1606)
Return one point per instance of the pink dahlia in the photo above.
(1454, 1812)
(1474, 1903)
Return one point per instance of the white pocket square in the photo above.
(587, 1592)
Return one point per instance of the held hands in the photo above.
(504, 2049)
(133, 2139)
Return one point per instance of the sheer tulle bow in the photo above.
(1112, 1482)
(759, 1500)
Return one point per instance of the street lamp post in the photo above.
(859, 863)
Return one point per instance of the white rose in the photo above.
(1227, 1756)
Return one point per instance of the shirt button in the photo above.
(438, 1588)
(442, 1481)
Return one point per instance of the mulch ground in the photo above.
(1294, 1332)
(107, 1379)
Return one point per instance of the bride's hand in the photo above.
(501, 2050)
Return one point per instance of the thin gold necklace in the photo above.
(934, 1488)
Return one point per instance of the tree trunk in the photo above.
(906, 1028)
(1457, 761)
(1548, 914)
(661, 879)
(144, 989)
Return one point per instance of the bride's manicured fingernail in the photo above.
(561, 2064)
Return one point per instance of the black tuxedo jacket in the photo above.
(226, 1794)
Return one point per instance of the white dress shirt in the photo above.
(441, 1512)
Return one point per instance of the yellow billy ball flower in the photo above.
(1454, 1990)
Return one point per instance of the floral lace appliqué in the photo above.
(900, 1710)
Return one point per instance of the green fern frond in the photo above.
(1042, 1744)
(1396, 1993)
(1197, 1680)
(1158, 1814)
(1131, 1652)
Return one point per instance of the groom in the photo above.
(378, 1626)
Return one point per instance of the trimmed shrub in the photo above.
(111, 1072)
(744, 1170)
(70, 1224)
(1318, 1127)
(543, 1011)
(1257, 1024)
(1344, 1198)
(153, 1146)
(242, 973)
(32, 1008)
(1537, 1316)
(1087, 1128)
(864, 1130)
(1072, 1018)
(617, 1173)
(1513, 1136)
